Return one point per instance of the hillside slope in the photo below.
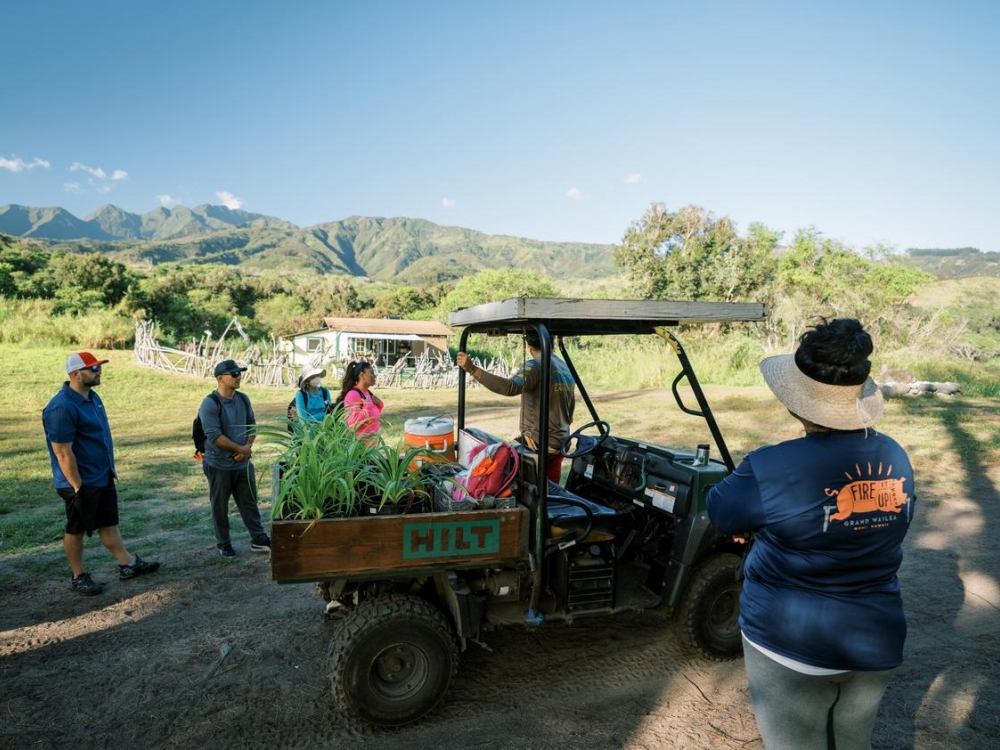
(968, 306)
(956, 263)
(407, 251)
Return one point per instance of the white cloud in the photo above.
(72, 187)
(165, 200)
(92, 171)
(98, 177)
(448, 202)
(229, 200)
(633, 178)
(17, 164)
(574, 193)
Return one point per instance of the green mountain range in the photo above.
(405, 251)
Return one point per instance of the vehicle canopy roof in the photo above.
(554, 317)
(596, 317)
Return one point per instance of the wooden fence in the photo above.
(270, 367)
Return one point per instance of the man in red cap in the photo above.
(83, 466)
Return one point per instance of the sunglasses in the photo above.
(236, 374)
(92, 368)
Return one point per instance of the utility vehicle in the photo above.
(626, 531)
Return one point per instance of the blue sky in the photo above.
(870, 121)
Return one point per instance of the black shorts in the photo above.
(91, 508)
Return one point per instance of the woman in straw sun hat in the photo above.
(821, 611)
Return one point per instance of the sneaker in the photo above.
(86, 585)
(262, 546)
(226, 550)
(138, 568)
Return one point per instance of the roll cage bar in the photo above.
(553, 318)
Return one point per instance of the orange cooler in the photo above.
(435, 434)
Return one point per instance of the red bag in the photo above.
(492, 469)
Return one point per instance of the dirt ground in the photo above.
(141, 666)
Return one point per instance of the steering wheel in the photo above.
(585, 443)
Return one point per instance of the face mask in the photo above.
(315, 382)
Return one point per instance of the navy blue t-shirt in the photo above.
(829, 512)
(71, 418)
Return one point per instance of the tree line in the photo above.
(694, 254)
(687, 254)
(187, 300)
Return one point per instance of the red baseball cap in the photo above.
(81, 360)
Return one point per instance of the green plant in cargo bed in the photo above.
(324, 468)
(392, 481)
(326, 471)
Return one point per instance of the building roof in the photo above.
(422, 328)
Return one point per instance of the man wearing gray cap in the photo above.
(229, 424)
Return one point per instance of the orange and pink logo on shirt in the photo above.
(874, 492)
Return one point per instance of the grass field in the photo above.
(163, 490)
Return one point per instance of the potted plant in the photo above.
(322, 472)
(393, 486)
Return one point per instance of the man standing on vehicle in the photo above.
(83, 466)
(527, 382)
(230, 431)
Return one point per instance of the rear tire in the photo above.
(392, 661)
(710, 609)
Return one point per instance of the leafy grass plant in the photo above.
(392, 480)
(327, 471)
(323, 468)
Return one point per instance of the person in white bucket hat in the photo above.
(820, 611)
(312, 399)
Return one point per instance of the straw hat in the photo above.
(309, 372)
(840, 407)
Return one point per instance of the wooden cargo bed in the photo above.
(388, 546)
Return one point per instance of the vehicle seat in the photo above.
(565, 509)
(567, 512)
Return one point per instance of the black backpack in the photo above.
(292, 410)
(198, 430)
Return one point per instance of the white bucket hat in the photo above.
(839, 407)
(309, 372)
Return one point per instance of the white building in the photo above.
(381, 340)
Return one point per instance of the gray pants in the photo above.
(241, 485)
(797, 711)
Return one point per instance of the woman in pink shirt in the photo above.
(361, 407)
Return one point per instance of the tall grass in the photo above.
(608, 362)
(35, 323)
(628, 362)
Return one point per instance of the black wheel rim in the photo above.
(724, 614)
(399, 671)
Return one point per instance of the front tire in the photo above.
(392, 661)
(710, 609)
